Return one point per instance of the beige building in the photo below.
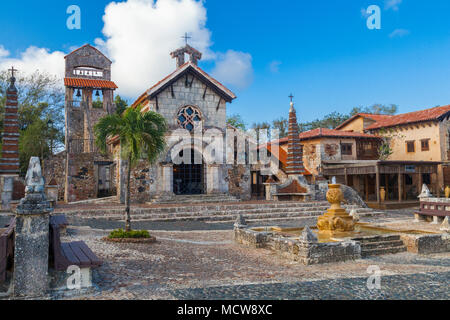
(415, 136)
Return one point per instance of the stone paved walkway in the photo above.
(209, 265)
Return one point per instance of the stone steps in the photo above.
(203, 198)
(380, 245)
(221, 213)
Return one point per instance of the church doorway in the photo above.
(188, 178)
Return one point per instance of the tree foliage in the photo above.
(121, 104)
(236, 121)
(41, 114)
(141, 134)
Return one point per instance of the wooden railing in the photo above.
(438, 209)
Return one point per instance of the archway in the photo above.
(189, 178)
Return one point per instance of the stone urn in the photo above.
(382, 194)
(447, 191)
(336, 219)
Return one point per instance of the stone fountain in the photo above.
(336, 221)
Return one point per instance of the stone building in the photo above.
(420, 144)
(194, 105)
(80, 171)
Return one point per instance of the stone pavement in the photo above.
(209, 265)
(199, 260)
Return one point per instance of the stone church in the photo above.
(188, 98)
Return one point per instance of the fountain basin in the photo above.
(365, 240)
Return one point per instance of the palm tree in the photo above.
(140, 133)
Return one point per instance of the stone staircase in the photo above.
(221, 213)
(380, 245)
(198, 198)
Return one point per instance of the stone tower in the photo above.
(87, 76)
(9, 163)
(295, 149)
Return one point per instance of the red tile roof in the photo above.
(330, 133)
(89, 83)
(374, 117)
(411, 117)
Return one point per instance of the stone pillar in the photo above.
(7, 185)
(32, 237)
(167, 178)
(212, 179)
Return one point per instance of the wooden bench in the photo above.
(7, 249)
(435, 210)
(63, 255)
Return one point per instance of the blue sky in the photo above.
(321, 51)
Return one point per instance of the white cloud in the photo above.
(138, 36)
(3, 52)
(398, 33)
(392, 4)
(33, 59)
(234, 68)
(275, 66)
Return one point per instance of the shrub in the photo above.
(121, 234)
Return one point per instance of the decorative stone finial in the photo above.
(240, 222)
(308, 236)
(35, 201)
(355, 215)
(426, 193)
(445, 226)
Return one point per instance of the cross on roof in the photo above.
(291, 96)
(186, 37)
(12, 71)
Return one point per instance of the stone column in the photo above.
(212, 179)
(32, 237)
(7, 185)
(167, 178)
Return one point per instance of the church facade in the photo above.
(194, 105)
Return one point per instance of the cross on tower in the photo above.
(12, 71)
(186, 37)
(291, 96)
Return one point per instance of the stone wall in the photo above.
(82, 176)
(55, 168)
(239, 184)
(304, 252)
(426, 244)
(213, 112)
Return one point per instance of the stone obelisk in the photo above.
(9, 162)
(32, 236)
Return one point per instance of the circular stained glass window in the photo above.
(188, 116)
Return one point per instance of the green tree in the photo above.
(282, 124)
(376, 109)
(121, 104)
(140, 133)
(330, 121)
(97, 104)
(41, 113)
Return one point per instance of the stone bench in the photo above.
(7, 249)
(432, 210)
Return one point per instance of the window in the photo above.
(188, 116)
(410, 146)
(425, 144)
(346, 149)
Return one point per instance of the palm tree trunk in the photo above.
(127, 199)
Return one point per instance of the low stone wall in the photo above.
(298, 250)
(426, 244)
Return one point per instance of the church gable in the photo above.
(185, 92)
(188, 86)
